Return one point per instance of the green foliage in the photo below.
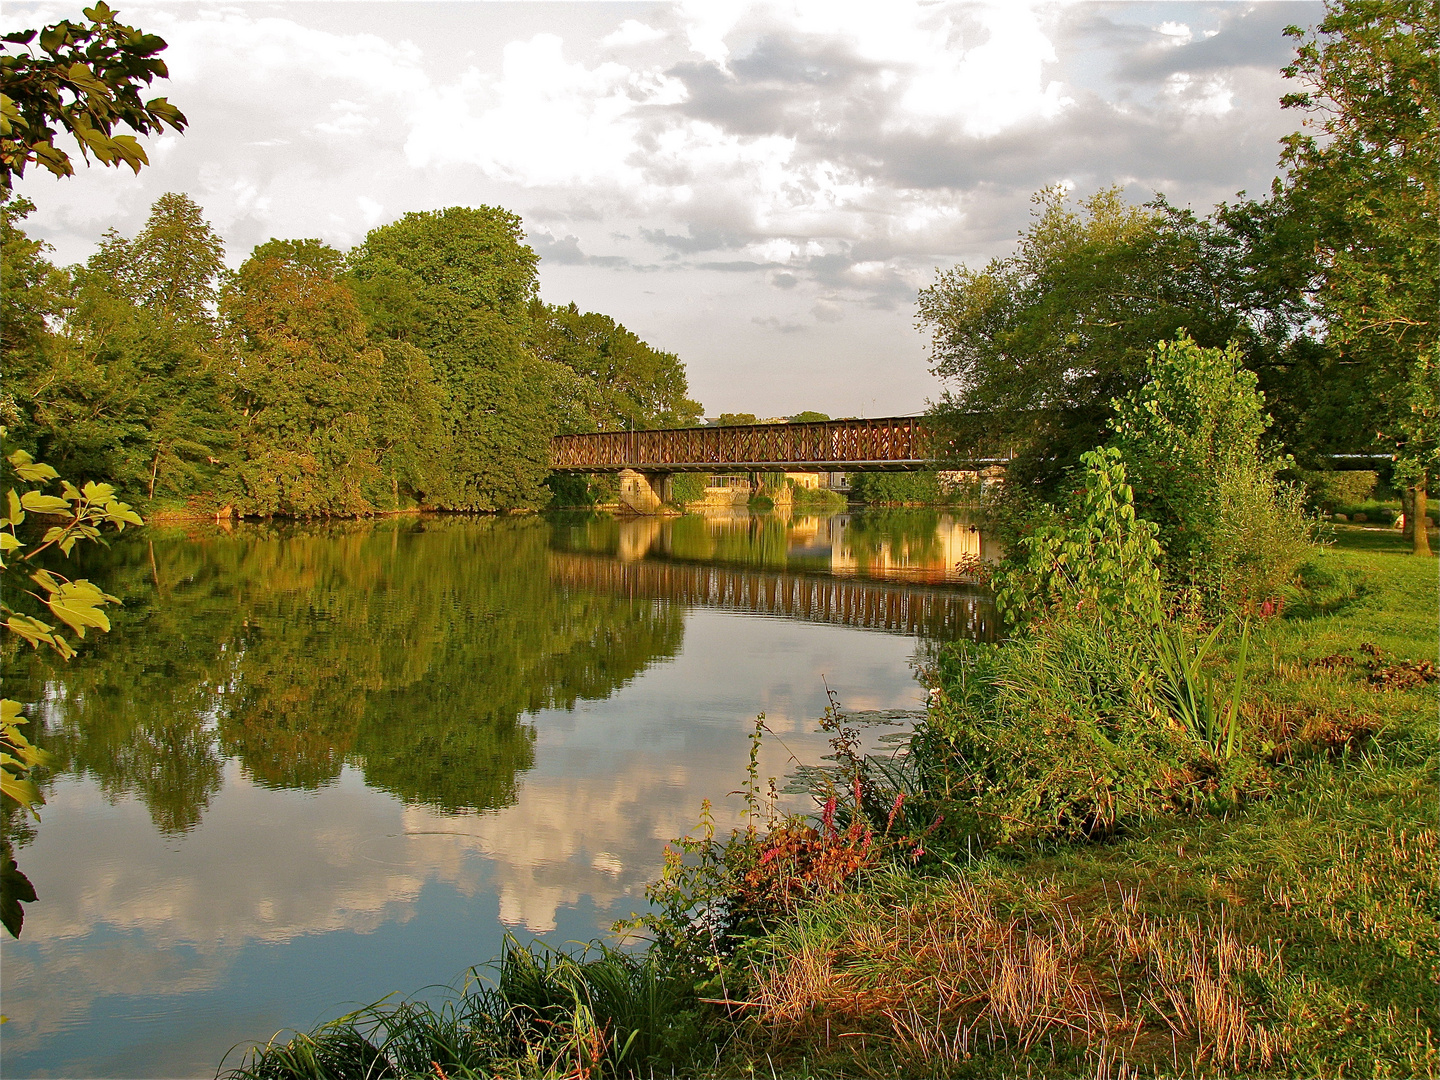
(897, 489)
(729, 419)
(816, 500)
(1331, 490)
(77, 514)
(1065, 733)
(1101, 560)
(83, 79)
(628, 384)
(170, 268)
(808, 416)
(305, 373)
(457, 284)
(1191, 695)
(686, 488)
(1190, 438)
(127, 387)
(1037, 345)
(1369, 177)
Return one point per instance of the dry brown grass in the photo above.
(947, 978)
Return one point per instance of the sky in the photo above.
(761, 188)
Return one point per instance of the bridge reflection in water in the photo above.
(908, 574)
(913, 610)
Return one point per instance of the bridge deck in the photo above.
(896, 443)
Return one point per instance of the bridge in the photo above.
(648, 459)
(886, 444)
(916, 611)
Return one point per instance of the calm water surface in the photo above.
(312, 767)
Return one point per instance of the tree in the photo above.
(1192, 441)
(306, 373)
(30, 289)
(457, 284)
(127, 386)
(727, 419)
(83, 80)
(1367, 177)
(808, 417)
(173, 265)
(1038, 344)
(637, 386)
(102, 87)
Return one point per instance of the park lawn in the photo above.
(1294, 935)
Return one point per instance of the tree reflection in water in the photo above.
(410, 649)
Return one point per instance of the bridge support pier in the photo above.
(644, 492)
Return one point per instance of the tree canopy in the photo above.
(636, 386)
(1036, 345)
(312, 382)
(1365, 174)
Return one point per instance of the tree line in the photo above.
(419, 369)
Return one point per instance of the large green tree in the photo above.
(305, 372)
(126, 387)
(1365, 173)
(457, 284)
(635, 386)
(1035, 346)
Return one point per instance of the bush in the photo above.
(1191, 441)
(1329, 490)
(1100, 559)
(686, 488)
(897, 489)
(1066, 733)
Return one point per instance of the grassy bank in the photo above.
(1284, 928)
(1292, 933)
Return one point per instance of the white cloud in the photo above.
(633, 32)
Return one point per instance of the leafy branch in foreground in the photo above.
(81, 514)
(82, 79)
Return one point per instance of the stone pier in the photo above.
(644, 493)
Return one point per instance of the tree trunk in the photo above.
(1418, 519)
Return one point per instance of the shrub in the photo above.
(1101, 560)
(1329, 490)
(1191, 440)
(897, 489)
(1067, 733)
(686, 488)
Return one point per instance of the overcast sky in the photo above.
(759, 187)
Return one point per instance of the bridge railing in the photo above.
(894, 441)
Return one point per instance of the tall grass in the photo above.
(544, 1013)
(1191, 696)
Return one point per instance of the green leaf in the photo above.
(44, 504)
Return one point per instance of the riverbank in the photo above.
(1290, 931)
(1292, 934)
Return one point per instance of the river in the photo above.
(313, 766)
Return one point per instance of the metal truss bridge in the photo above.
(887, 444)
